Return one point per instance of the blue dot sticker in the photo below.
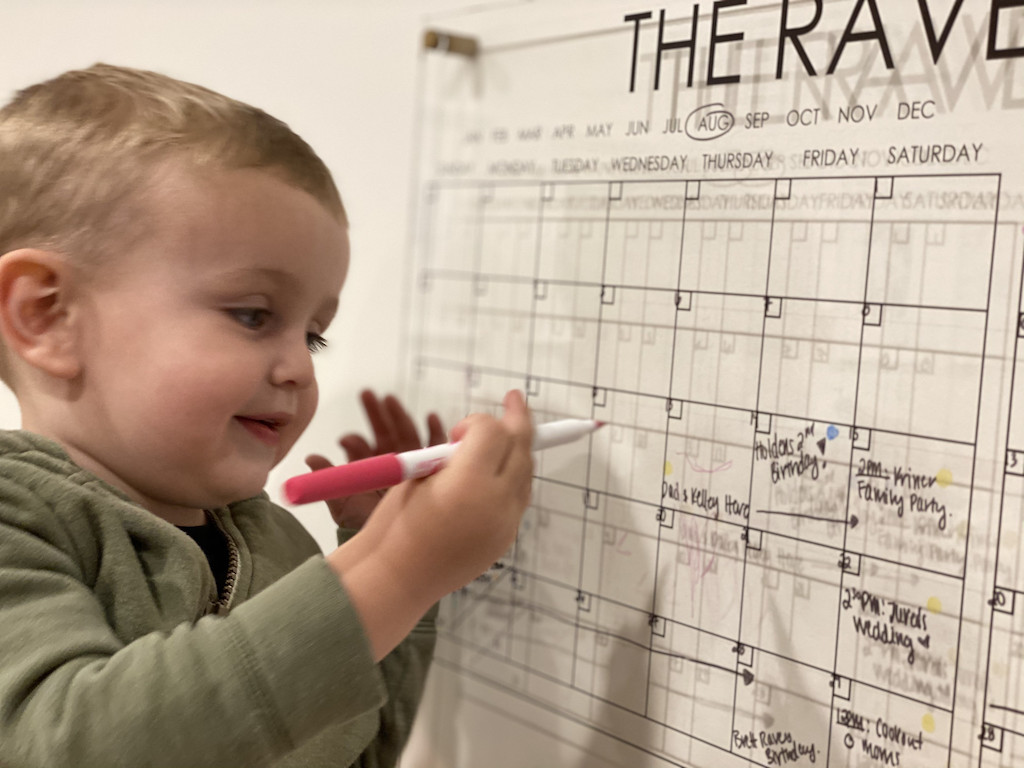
(832, 432)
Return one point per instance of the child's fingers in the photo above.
(516, 419)
(483, 444)
(460, 428)
(518, 461)
(517, 474)
(487, 443)
(380, 421)
(517, 415)
(435, 430)
(355, 447)
(316, 461)
(405, 436)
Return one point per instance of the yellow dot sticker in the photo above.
(668, 468)
(934, 605)
(944, 478)
(928, 723)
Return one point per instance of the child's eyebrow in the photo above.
(268, 274)
(273, 277)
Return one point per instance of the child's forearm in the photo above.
(384, 588)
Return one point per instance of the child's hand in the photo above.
(464, 518)
(393, 432)
(431, 536)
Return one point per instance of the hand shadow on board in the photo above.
(618, 681)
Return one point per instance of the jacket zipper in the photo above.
(223, 602)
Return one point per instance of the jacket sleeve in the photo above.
(241, 689)
(404, 671)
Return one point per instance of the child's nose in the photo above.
(294, 366)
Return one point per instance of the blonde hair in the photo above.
(78, 151)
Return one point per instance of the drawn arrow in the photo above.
(746, 674)
(852, 522)
(821, 445)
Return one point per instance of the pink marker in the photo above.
(392, 468)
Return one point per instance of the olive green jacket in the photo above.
(114, 649)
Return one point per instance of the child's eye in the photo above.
(251, 317)
(315, 342)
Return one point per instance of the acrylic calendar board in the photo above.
(777, 246)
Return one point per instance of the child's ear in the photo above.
(35, 287)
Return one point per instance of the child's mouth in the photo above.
(265, 429)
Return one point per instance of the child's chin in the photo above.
(255, 489)
(245, 488)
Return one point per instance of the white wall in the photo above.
(342, 73)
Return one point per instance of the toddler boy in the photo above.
(171, 259)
